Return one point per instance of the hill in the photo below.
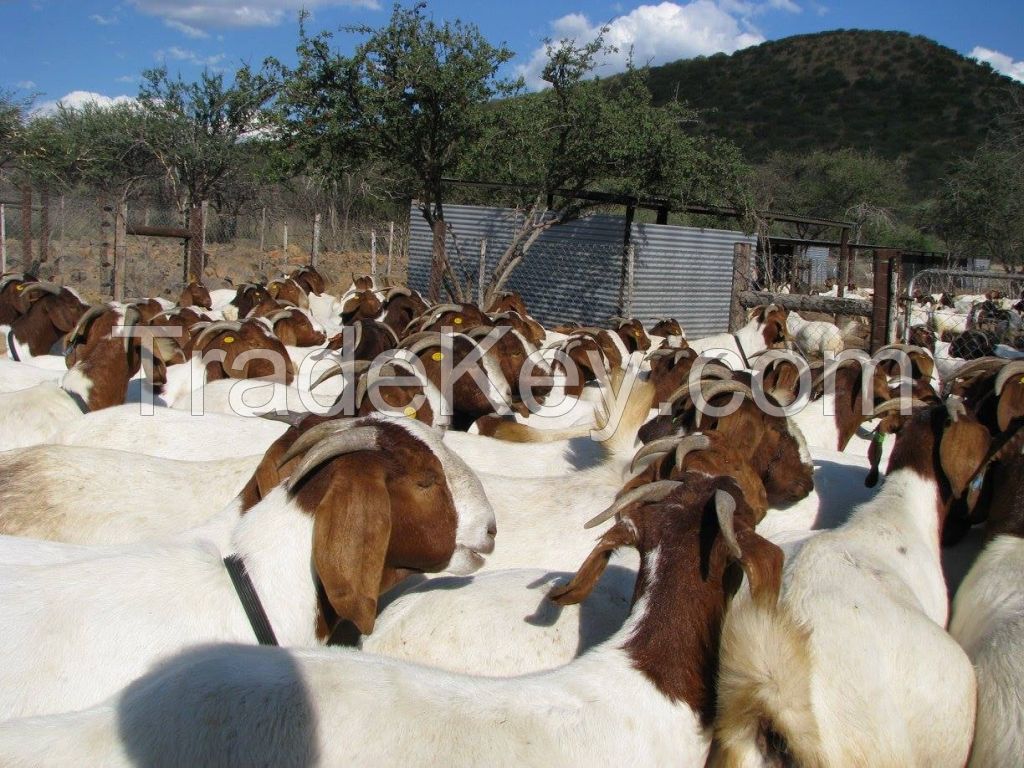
(896, 94)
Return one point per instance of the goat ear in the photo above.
(1011, 402)
(577, 590)
(351, 532)
(924, 364)
(964, 446)
(762, 563)
(62, 315)
(285, 331)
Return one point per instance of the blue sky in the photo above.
(95, 49)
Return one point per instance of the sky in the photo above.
(80, 50)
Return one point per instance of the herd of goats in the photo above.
(272, 525)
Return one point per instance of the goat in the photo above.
(766, 327)
(287, 289)
(309, 279)
(195, 294)
(814, 338)
(53, 311)
(99, 496)
(813, 680)
(13, 303)
(232, 703)
(370, 501)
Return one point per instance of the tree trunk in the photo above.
(26, 227)
(44, 225)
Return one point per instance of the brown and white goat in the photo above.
(53, 311)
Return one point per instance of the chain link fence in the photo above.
(70, 238)
(973, 312)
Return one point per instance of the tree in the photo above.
(583, 133)
(12, 119)
(196, 131)
(411, 98)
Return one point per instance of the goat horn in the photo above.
(83, 322)
(901, 348)
(213, 329)
(714, 372)
(650, 492)
(955, 408)
(719, 388)
(14, 277)
(388, 330)
(725, 510)
(313, 435)
(479, 331)
(660, 353)
(51, 288)
(383, 372)
(337, 444)
(694, 442)
(981, 365)
(896, 404)
(657, 447)
(349, 366)
(132, 317)
(398, 290)
(1010, 369)
(421, 341)
(279, 315)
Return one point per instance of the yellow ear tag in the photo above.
(437, 356)
(457, 321)
(409, 411)
(229, 339)
(1022, 379)
(19, 288)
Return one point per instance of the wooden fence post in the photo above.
(61, 241)
(105, 257)
(44, 225)
(3, 239)
(740, 283)
(284, 238)
(895, 270)
(314, 260)
(120, 249)
(880, 314)
(26, 226)
(844, 262)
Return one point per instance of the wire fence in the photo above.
(71, 239)
(974, 312)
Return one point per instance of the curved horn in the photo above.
(479, 332)
(132, 317)
(398, 290)
(720, 388)
(81, 327)
(388, 330)
(908, 348)
(51, 288)
(385, 371)
(650, 492)
(1015, 368)
(337, 444)
(725, 510)
(896, 404)
(315, 434)
(657, 447)
(421, 341)
(13, 277)
(354, 366)
(694, 442)
(213, 329)
(981, 365)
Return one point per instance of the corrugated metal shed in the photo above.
(575, 272)
(685, 273)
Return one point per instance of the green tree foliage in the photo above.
(583, 133)
(196, 130)
(981, 209)
(411, 98)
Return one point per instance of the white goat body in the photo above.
(100, 496)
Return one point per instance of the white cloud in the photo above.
(1000, 62)
(186, 54)
(232, 13)
(128, 79)
(103, 21)
(26, 85)
(657, 34)
(186, 29)
(78, 99)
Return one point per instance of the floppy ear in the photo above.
(964, 445)
(1011, 402)
(924, 364)
(62, 315)
(576, 591)
(762, 563)
(351, 532)
(285, 331)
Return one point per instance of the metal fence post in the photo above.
(120, 249)
(315, 255)
(373, 253)
(391, 244)
(482, 271)
(627, 308)
(3, 238)
(263, 228)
